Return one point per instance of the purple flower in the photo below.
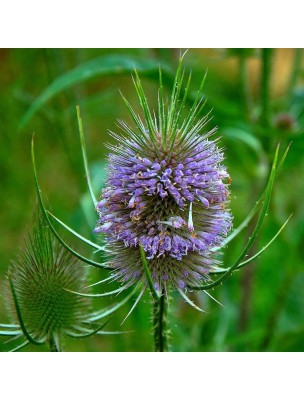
(167, 191)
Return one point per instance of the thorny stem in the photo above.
(160, 332)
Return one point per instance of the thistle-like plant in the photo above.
(41, 299)
(164, 212)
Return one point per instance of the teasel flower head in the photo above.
(166, 193)
(42, 293)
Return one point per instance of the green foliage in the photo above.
(43, 296)
(263, 304)
(99, 67)
(38, 282)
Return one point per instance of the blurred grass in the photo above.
(263, 304)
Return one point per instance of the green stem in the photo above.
(265, 86)
(54, 345)
(160, 332)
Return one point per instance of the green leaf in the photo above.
(104, 313)
(242, 264)
(248, 138)
(138, 123)
(113, 332)
(85, 240)
(90, 333)
(148, 275)
(21, 346)
(109, 65)
(161, 107)
(177, 85)
(190, 302)
(264, 247)
(197, 106)
(51, 226)
(19, 315)
(135, 303)
(213, 298)
(255, 232)
(9, 326)
(255, 208)
(99, 282)
(145, 107)
(84, 156)
(116, 291)
(10, 333)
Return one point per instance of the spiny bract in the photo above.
(167, 191)
(39, 282)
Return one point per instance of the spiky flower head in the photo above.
(42, 285)
(166, 191)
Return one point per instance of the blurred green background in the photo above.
(257, 98)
